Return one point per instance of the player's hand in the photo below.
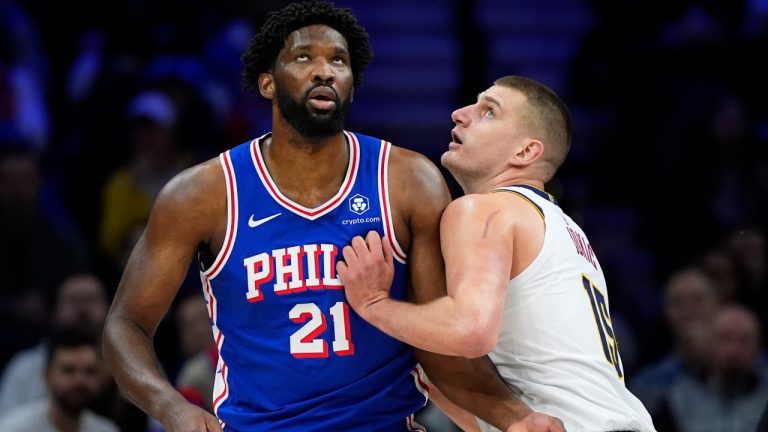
(190, 418)
(537, 422)
(367, 271)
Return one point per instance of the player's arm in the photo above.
(461, 387)
(470, 384)
(420, 197)
(185, 214)
(477, 247)
(465, 420)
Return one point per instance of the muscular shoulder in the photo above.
(199, 182)
(506, 210)
(194, 198)
(415, 179)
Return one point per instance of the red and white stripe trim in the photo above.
(386, 212)
(224, 392)
(232, 217)
(220, 385)
(413, 426)
(420, 380)
(309, 213)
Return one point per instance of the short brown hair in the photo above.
(548, 114)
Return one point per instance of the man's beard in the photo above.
(310, 123)
(73, 402)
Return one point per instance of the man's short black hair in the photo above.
(262, 51)
(69, 337)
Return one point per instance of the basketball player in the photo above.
(524, 285)
(268, 219)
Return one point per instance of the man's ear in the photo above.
(267, 85)
(528, 152)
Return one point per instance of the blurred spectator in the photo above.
(73, 379)
(81, 302)
(690, 302)
(731, 395)
(37, 247)
(748, 250)
(24, 113)
(195, 378)
(130, 191)
(719, 266)
(184, 80)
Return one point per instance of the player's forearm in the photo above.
(442, 326)
(129, 355)
(474, 385)
(461, 417)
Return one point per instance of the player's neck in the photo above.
(309, 171)
(505, 180)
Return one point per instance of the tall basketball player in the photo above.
(524, 285)
(268, 219)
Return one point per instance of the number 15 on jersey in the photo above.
(604, 324)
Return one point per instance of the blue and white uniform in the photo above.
(293, 355)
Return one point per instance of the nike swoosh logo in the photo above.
(254, 223)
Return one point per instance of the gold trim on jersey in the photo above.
(530, 201)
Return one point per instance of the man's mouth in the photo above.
(322, 98)
(456, 138)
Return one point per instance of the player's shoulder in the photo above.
(412, 173)
(474, 205)
(482, 206)
(194, 186)
(412, 162)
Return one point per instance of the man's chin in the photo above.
(320, 114)
(446, 159)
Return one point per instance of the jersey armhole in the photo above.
(232, 217)
(386, 212)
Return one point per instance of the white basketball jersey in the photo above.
(556, 343)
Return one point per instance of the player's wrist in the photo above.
(376, 310)
(515, 412)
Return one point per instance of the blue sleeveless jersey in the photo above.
(294, 356)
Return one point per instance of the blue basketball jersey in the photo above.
(294, 356)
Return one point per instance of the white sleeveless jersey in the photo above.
(556, 343)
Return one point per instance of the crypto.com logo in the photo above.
(358, 204)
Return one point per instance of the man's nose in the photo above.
(323, 71)
(460, 116)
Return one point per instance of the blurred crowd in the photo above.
(668, 175)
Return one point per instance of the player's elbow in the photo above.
(110, 337)
(475, 339)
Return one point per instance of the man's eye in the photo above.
(302, 57)
(489, 114)
(338, 60)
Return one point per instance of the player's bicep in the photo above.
(477, 246)
(427, 270)
(422, 196)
